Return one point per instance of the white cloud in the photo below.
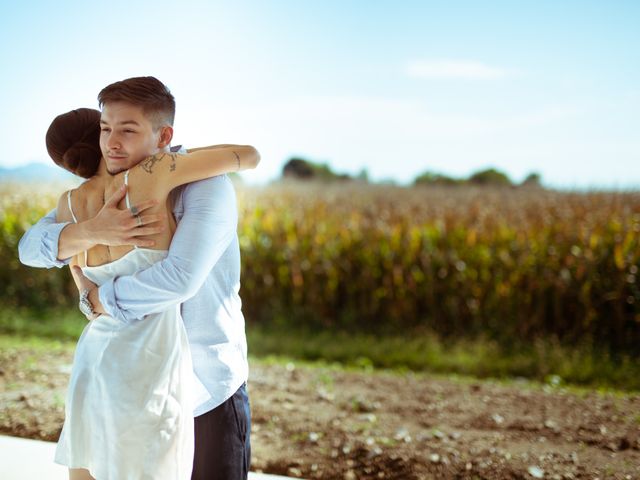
(447, 69)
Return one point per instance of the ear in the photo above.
(166, 135)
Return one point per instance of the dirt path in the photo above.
(321, 422)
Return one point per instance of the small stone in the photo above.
(294, 472)
(363, 406)
(369, 417)
(551, 425)
(434, 458)
(374, 452)
(313, 437)
(325, 395)
(536, 472)
(497, 418)
(350, 475)
(403, 435)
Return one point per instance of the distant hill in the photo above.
(37, 173)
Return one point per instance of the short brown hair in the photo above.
(146, 92)
(73, 141)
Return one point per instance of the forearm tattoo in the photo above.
(148, 163)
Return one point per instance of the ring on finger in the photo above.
(139, 220)
(134, 211)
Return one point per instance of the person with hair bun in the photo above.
(151, 240)
(73, 141)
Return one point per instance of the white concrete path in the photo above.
(22, 459)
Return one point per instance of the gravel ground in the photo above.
(330, 423)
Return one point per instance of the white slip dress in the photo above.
(129, 406)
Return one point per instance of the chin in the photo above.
(114, 171)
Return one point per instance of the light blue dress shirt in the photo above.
(201, 271)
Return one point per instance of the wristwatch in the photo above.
(85, 304)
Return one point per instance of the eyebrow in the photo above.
(126, 122)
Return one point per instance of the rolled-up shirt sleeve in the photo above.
(203, 233)
(38, 247)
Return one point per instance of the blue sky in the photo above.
(396, 87)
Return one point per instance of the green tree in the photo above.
(533, 180)
(302, 169)
(432, 178)
(491, 177)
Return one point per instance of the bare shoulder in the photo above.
(63, 214)
(84, 200)
(160, 162)
(151, 174)
(77, 197)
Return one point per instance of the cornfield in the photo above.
(498, 262)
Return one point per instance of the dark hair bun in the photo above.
(73, 141)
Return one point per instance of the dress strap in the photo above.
(126, 182)
(126, 198)
(75, 220)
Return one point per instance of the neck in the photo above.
(102, 168)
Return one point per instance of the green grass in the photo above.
(542, 360)
(62, 324)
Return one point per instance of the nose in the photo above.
(113, 142)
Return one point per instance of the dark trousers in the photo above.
(223, 446)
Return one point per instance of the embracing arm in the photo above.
(203, 234)
(210, 147)
(56, 238)
(39, 246)
(170, 170)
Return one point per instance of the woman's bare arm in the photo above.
(210, 147)
(172, 169)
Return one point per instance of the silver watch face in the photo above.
(85, 308)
